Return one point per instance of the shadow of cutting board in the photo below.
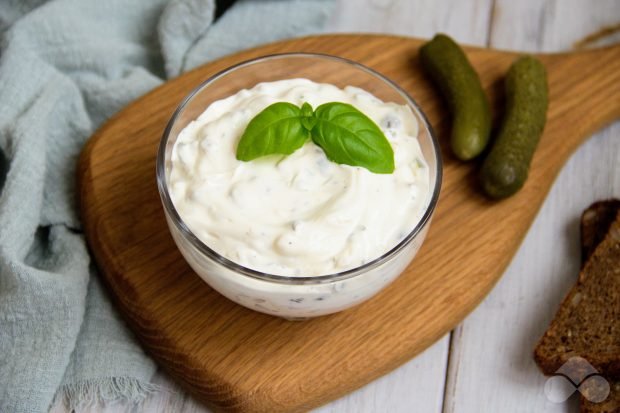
(239, 360)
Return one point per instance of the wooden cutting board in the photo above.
(239, 360)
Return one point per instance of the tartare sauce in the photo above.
(301, 214)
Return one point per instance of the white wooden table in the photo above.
(485, 364)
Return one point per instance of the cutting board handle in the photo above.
(589, 97)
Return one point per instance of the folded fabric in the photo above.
(65, 67)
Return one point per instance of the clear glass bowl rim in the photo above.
(282, 279)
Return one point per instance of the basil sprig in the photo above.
(345, 134)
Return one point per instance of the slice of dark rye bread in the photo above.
(588, 321)
(586, 324)
(595, 222)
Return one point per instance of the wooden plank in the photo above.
(418, 385)
(491, 364)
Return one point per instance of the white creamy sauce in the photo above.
(301, 214)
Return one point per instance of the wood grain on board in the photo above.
(240, 360)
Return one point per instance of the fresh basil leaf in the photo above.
(307, 116)
(276, 130)
(349, 137)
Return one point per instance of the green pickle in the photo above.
(505, 169)
(460, 85)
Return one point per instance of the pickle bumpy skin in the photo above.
(505, 169)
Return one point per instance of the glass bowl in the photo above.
(296, 297)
